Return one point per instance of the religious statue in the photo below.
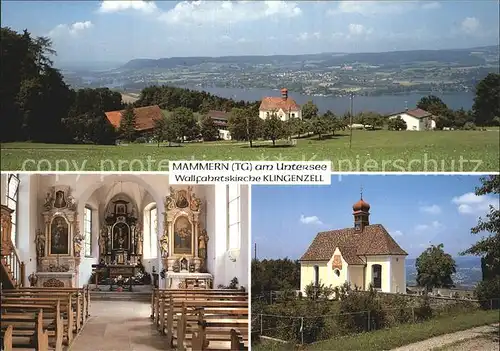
(102, 240)
(109, 212)
(202, 244)
(139, 243)
(71, 203)
(33, 279)
(133, 213)
(121, 239)
(164, 245)
(40, 244)
(195, 203)
(77, 242)
(60, 201)
(48, 201)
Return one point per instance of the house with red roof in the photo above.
(144, 118)
(362, 255)
(416, 119)
(283, 106)
(220, 119)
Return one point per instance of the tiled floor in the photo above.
(119, 326)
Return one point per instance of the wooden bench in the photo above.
(27, 323)
(41, 341)
(69, 311)
(82, 293)
(218, 316)
(158, 294)
(81, 299)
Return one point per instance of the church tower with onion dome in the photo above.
(361, 213)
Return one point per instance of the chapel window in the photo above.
(87, 231)
(233, 216)
(377, 276)
(12, 202)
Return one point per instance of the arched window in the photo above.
(12, 202)
(153, 230)
(377, 276)
(233, 217)
(316, 275)
(337, 272)
(87, 231)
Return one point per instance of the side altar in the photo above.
(59, 245)
(184, 242)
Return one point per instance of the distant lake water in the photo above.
(382, 104)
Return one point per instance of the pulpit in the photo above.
(184, 241)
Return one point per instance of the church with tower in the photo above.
(362, 255)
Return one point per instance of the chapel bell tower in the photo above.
(361, 213)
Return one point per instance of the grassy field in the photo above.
(372, 151)
(387, 339)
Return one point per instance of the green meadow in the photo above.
(371, 151)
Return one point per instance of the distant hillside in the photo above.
(470, 56)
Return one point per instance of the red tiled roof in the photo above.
(416, 112)
(144, 117)
(272, 103)
(353, 244)
(218, 114)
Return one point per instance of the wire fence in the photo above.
(309, 328)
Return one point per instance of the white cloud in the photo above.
(434, 226)
(71, 29)
(359, 29)
(135, 5)
(215, 12)
(308, 36)
(310, 220)
(433, 209)
(371, 8)
(396, 233)
(431, 5)
(470, 203)
(470, 25)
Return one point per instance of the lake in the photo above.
(382, 104)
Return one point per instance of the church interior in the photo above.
(83, 234)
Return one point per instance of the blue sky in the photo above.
(121, 30)
(416, 210)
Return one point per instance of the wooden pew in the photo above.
(67, 309)
(41, 337)
(158, 294)
(217, 317)
(237, 343)
(81, 299)
(83, 295)
(219, 303)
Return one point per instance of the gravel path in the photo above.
(464, 335)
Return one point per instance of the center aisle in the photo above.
(119, 326)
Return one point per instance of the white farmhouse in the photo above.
(284, 107)
(416, 119)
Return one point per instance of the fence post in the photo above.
(369, 321)
(491, 304)
(302, 330)
(413, 314)
(261, 328)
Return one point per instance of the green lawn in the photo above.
(387, 339)
(372, 151)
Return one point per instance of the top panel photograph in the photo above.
(115, 86)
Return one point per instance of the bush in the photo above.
(424, 311)
(396, 124)
(469, 126)
(488, 292)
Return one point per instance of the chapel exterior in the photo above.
(361, 255)
(284, 107)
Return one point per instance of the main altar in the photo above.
(184, 242)
(59, 245)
